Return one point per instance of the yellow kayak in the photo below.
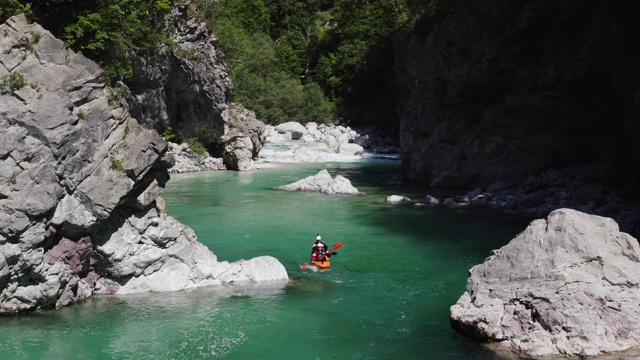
(322, 264)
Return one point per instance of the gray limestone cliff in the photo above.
(80, 186)
(186, 87)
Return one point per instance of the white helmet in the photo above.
(318, 237)
(320, 245)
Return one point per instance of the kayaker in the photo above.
(318, 241)
(320, 253)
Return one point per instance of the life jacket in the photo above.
(314, 247)
(321, 255)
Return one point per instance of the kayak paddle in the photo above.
(337, 246)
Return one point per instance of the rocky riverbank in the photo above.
(573, 188)
(311, 142)
(492, 91)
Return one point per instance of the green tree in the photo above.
(113, 28)
(298, 31)
(361, 41)
(103, 30)
(265, 79)
(320, 52)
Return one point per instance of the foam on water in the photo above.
(298, 151)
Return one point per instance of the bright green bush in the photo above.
(12, 82)
(198, 149)
(116, 164)
(168, 134)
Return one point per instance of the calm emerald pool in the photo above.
(386, 296)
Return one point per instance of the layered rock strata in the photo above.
(186, 86)
(566, 285)
(80, 186)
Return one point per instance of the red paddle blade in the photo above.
(337, 246)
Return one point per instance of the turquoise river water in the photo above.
(386, 296)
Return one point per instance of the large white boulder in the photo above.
(294, 128)
(322, 182)
(566, 285)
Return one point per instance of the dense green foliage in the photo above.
(266, 71)
(115, 27)
(9, 8)
(306, 60)
(103, 30)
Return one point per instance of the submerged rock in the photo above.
(567, 285)
(80, 186)
(322, 182)
(395, 199)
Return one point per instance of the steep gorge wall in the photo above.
(80, 186)
(185, 87)
(499, 91)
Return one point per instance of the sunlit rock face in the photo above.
(80, 186)
(186, 87)
(567, 285)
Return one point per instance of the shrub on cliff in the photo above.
(197, 148)
(12, 82)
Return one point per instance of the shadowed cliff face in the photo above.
(503, 90)
(186, 87)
